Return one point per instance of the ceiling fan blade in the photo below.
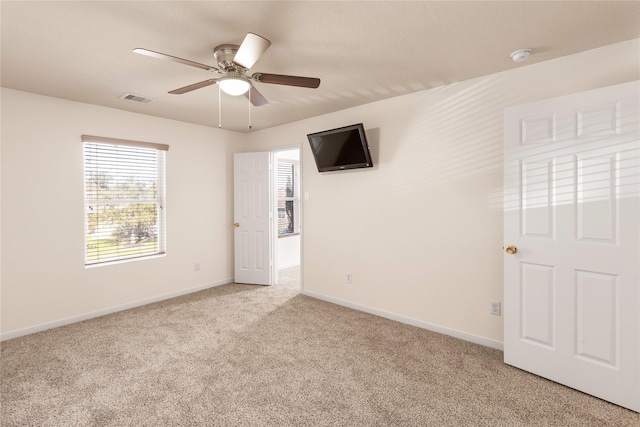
(256, 97)
(159, 55)
(279, 79)
(193, 87)
(250, 50)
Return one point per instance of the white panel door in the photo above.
(252, 218)
(571, 291)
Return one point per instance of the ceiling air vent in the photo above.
(137, 98)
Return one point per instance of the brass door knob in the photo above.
(511, 249)
(236, 225)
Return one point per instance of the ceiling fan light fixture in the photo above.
(233, 85)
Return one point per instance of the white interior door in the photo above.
(571, 291)
(253, 214)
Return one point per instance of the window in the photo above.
(125, 213)
(288, 197)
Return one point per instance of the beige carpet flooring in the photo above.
(241, 355)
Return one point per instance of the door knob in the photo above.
(236, 225)
(511, 249)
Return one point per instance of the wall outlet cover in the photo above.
(495, 308)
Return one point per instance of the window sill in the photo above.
(281, 236)
(126, 260)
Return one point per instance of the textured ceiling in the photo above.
(362, 51)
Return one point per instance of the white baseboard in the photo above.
(413, 322)
(86, 316)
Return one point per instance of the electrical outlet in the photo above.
(196, 266)
(348, 279)
(495, 308)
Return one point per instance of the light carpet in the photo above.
(242, 355)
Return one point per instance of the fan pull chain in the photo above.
(219, 107)
(249, 107)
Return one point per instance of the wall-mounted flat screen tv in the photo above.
(341, 148)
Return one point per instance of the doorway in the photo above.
(288, 215)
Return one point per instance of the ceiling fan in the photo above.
(233, 63)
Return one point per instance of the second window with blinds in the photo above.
(288, 193)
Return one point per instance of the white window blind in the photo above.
(125, 212)
(288, 197)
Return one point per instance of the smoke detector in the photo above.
(521, 55)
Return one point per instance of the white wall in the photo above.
(421, 232)
(43, 277)
(288, 251)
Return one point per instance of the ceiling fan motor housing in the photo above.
(224, 54)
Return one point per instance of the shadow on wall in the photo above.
(456, 134)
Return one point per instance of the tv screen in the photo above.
(341, 148)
